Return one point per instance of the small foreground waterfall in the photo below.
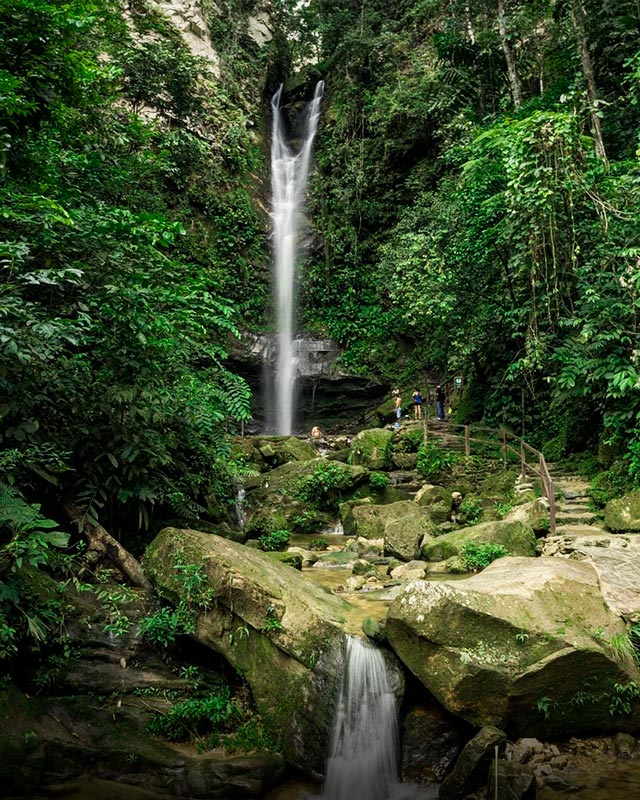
(289, 173)
(362, 764)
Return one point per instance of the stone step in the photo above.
(575, 529)
(579, 518)
(563, 505)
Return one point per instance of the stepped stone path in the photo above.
(573, 513)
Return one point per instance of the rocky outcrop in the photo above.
(518, 538)
(522, 645)
(189, 17)
(431, 742)
(53, 740)
(284, 633)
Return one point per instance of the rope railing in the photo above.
(531, 461)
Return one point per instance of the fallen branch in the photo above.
(102, 542)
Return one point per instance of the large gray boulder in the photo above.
(522, 645)
(402, 525)
(615, 558)
(285, 634)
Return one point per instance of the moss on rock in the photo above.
(518, 538)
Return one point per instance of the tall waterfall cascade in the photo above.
(289, 177)
(363, 758)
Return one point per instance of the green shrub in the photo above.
(248, 738)
(319, 543)
(478, 555)
(276, 540)
(472, 510)
(502, 509)
(378, 480)
(194, 716)
(324, 485)
(432, 460)
(613, 483)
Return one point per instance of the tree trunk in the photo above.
(507, 49)
(578, 16)
(103, 543)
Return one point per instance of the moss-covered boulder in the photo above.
(403, 537)
(623, 514)
(499, 485)
(518, 538)
(534, 513)
(369, 520)
(437, 499)
(372, 448)
(293, 655)
(269, 452)
(286, 493)
(404, 461)
(522, 645)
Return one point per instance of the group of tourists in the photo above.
(439, 395)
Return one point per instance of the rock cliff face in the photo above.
(190, 17)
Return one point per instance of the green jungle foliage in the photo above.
(127, 227)
(476, 203)
(433, 460)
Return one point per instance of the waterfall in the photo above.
(241, 494)
(362, 763)
(289, 173)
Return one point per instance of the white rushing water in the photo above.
(289, 174)
(362, 764)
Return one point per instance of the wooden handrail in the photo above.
(505, 438)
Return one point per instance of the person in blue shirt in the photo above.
(417, 404)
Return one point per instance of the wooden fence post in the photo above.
(467, 441)
(523, 461)
(504, 448)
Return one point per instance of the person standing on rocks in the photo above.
(417, 404)
(440, 400)
(398, 407)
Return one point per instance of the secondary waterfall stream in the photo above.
(362, 763)
(289, 174)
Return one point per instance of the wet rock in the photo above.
(524, 749)
(472, 765)
(625, 745)
(509, 780)
(431, 743)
